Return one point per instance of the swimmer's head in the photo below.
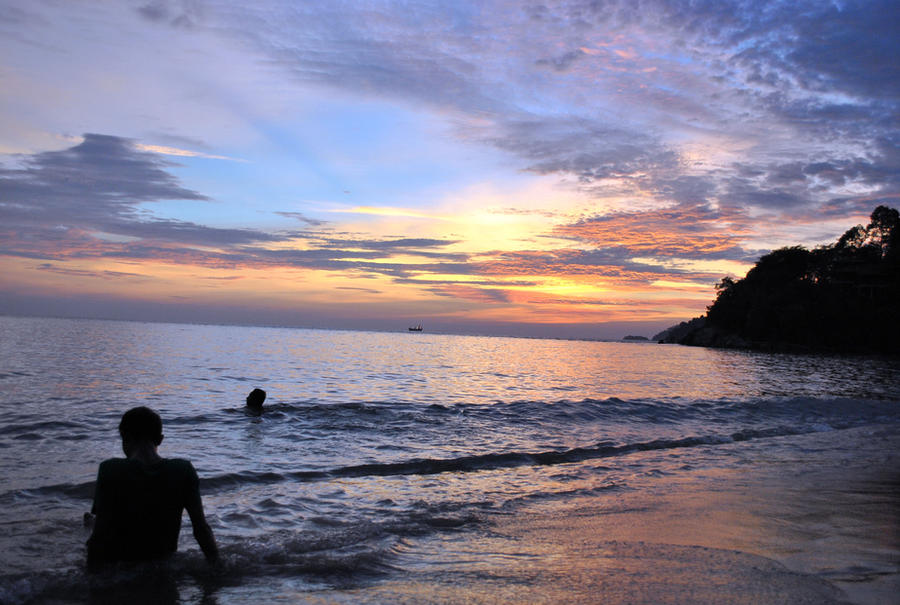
(141, 424)
(256, 398)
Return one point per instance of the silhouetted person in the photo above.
(139, 500)
(255, 399)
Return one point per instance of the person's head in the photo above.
(139, 425)
(256, 398)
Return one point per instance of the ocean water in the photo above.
(416, 467)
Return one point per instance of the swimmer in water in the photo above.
(255, 399)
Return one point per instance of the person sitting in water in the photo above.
(255, 399)
(138, 500)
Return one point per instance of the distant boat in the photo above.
(417, 328)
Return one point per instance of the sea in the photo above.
(411, 467)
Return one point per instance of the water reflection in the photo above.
(214, 366)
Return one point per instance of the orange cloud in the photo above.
(686, 232)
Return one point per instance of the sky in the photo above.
(574, 169)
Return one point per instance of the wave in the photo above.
(489, 461)
(462, 464)
(327, 548)
(662, 411)
(41, 427)
(735, 420)
(360, 550)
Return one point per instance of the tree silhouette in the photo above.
(843, 297)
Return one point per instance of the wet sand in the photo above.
(810, 519)
(826, 517)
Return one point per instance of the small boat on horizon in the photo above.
(417, 328)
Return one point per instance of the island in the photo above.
(840, 298)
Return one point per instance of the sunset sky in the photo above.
(585, 168)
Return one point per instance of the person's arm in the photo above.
(202, 532)
(96, 544)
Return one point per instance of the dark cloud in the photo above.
(420, 247)
(742, 193)
(476, 294)
(302, 218)
(101, 185)
(842, 207)
(585, 148)
(50, 267)
(688, 190)
(797, 187)
(154, 11)
(562, 62)
(109, 170)
(849, 48)
(826, 47)
(829, 67)
(178, 13)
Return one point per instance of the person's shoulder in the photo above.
(114, 469)
(179, 465)
(113, 464)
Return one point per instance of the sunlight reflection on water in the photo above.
(369, 439)
(215, 366)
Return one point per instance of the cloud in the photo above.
(357, 289)
(50, 267)
(100, 186)
(419, 247)
(185, 153)
(178, 13)
(610, 95)
(614, 264)
(845, 48)
(89, 202)
(302, 218)
(562, 62)
(403, 244)
(465, 292)
(686, 232)
(587, 149)
(108, 170)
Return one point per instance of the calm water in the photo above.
(376, 448)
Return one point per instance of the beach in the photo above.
(799, 530)
(422, 468)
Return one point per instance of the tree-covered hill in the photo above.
(841, 298)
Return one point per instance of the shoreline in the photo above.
(820, 528)
(829, 518)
